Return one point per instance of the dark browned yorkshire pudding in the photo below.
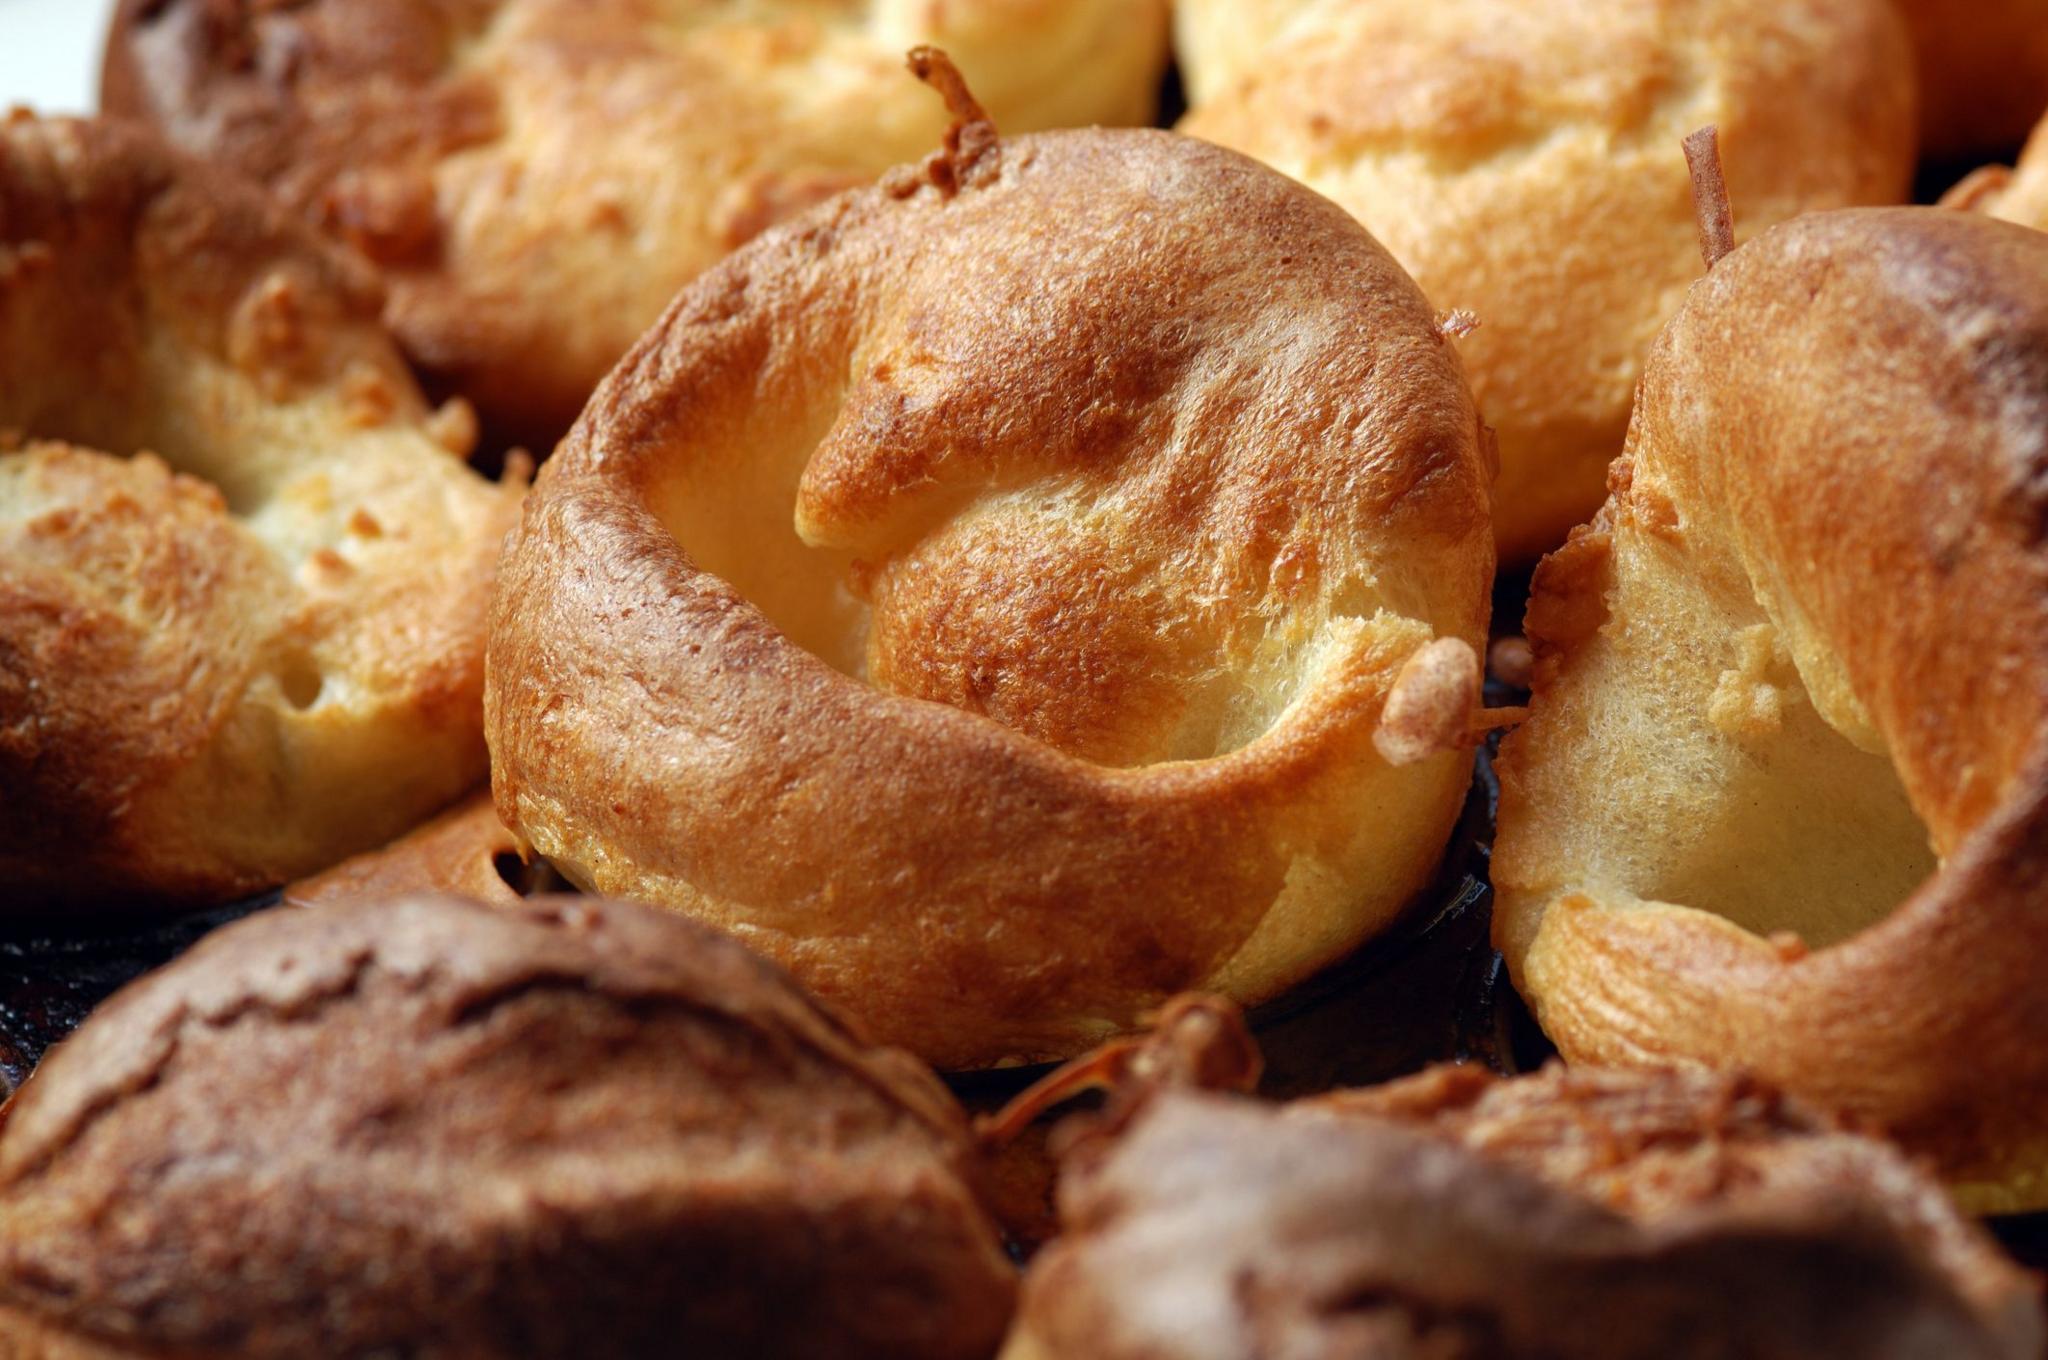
(1516, 156)
(243, 567)
(1983, 72)
(1013, 594)
(536, 178)
(427, 1127)
(1782, 802)
(1569, 1216)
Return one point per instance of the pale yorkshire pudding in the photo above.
(1782, 800)
(1520, 161)
(256, 645)
(2019, 194)
(985, 595)
(536, 178)
(1454, 1216)
(428, 1127)
(1983, 72)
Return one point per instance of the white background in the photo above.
(50, 53)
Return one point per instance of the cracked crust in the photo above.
(255, 645)
(558, 1128)
(536, 178)
(1522, 161)
(1125, 477)
(1782, 799)
(1455, 1216)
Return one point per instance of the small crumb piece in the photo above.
(1430, 707)
(1456, 324)
(389, 215)
(454, 427)
(268, 337)
(1748, 699)
(1654, 510)
(1512, 661)
(369, 397)
(972, 154)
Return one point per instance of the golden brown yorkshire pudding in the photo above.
(1521, 161)
(428, 1127)
(1568, 1216)
(1983, 72)
(258, 646)
(2019, 194)
(985, 595)
(465, 852)
(1782, 802)
(536, 178)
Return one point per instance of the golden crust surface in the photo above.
(430, 1127)
(980, 595)
(256, 645)
(536, 178)
(1522, 162)
(1782, 801)
(1455, 1216)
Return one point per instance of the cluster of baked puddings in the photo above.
(1020, 577)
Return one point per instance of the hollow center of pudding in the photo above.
(1065, 604)
(1689, 765)
(1809, 834)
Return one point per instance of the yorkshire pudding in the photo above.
(1568, 1216)
(536, 178)
(1520, 160)
(2019, 194)
(465, 852)
(1782, 800)
(428, 1127)
(1983, 72)
(257, 646)
(984, 595)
